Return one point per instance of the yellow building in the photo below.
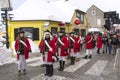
(34, 28)
(83, 26)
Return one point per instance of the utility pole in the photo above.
(4, 15)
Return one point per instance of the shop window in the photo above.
(29, 32)
(36, 34)
(54, 30)
(62, 29)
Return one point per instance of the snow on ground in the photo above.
(5, 56)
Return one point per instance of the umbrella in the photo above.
(93, 30)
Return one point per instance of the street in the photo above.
(100, 67)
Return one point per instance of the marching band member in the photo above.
(76, 45)
(62, 49)
(22, 47)
(72, 54)
(47, 47)
(89, 45)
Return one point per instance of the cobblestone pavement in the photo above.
(100, 67)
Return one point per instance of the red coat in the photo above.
(50, 53)
(99, 42)
(26, 49)
(76, 44)
(55, 43)
(64, 51)
(89, 42)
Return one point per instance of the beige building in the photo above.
(95, 17)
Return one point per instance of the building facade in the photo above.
(95, 17)
(83, 26)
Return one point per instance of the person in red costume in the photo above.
(22, 47)
(99, 42)
(47, 48)
(62, 45)
(89, 45)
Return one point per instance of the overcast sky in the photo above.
(104, 5)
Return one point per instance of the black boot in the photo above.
(60, 63)
(47, 70)
(63, 64)
(72, 60)
(103, 52)
(98, 50)
(51, 70)
(85, 56)
(90, 56)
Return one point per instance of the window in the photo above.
(62, 29)
(35, 33)
(54, 30)
(32, 33)
(80, 16)
(76, 31)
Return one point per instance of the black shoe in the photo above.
(60, 63)
(19, 72)
(43, 65)
(90, 56)
(24, 71)
(98, 53)
(51, 74)
(60, 69)
(45, 74)
(85, 57)
(103, 52)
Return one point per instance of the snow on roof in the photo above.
(41, 10)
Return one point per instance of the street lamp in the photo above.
(5, 18)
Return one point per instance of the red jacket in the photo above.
(26, 49)
(64, 51)
(50, 53)
(76, 44)
(99, 42)
(89, 42)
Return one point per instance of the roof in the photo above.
(41, 10)
(95, 7)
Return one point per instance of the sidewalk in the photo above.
(116, 69)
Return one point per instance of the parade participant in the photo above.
(47, 48)
(105, 43)
(22, 48)
(76, 45)
(62, 49)
(55, 36)
(89, 45)
(99, 42)
(72, 54)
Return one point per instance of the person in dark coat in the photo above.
(104, 43)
